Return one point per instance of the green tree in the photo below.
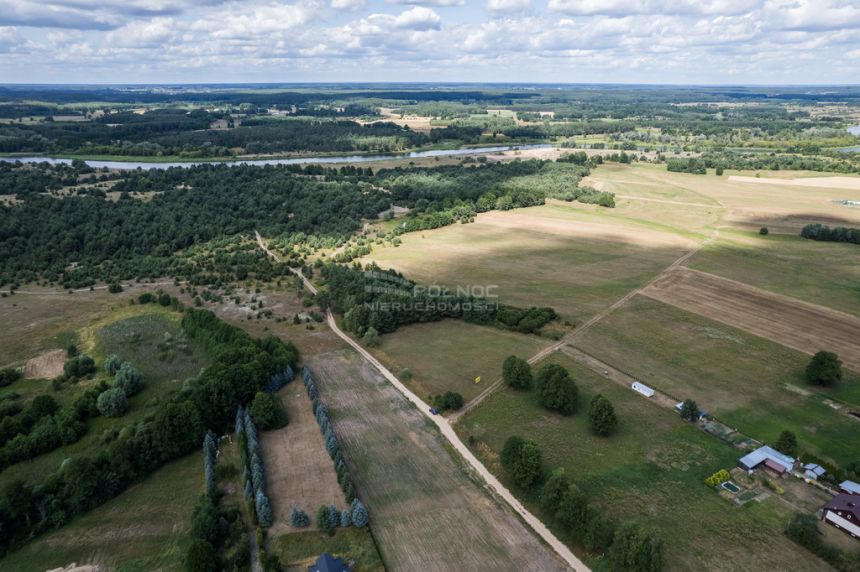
(323, 521)
(601, 416)
(636, 550)
(267, 411)
(689, 410)
(371, 337)
(521, 460)
(553, 490)
(787, 443)
(112, 402)
(825, 368)
(517, 373)
(200, 557)
(204, 520)
(556, 389)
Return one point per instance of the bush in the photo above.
(556, 389)
(787, 443)
(689, 410)
(371, 337)
(825, 368)
(114, 288)
(553, 490)
(267, 411)
(79, 366)
(128, 379)
(718, 478)
(521, 460)
(264, 509)
(763, 231)
(323, 522)
(299, 518)
(517, 373)
(200, 557)
(448, 401)
(636, 550)
(112, 403)
(8, 376)
(112, 364)
(360, 518)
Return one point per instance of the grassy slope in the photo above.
(650, 471)
(107, 337)
(740, 378)
(448, 355)
(144, 528)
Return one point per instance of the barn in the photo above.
(843, 512)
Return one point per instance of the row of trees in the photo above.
(241, 366)
(253, 470)
(820, 231)
(627, 547)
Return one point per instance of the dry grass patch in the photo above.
(46, 365)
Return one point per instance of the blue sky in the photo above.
(558, 41)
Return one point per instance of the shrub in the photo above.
(267, 411)
(718, 478)
(825, 368)
(299, 518)
(323, 522)
(557, 389)
(689, 410)
(553, 490)
(114, 288)
(448, 401)
(79, 366)
(112, 364)
(345, 519)
(787, 443)
(371, 337)
(8, 376)
(128, 379)
(763, 231)
(360, 518)
(264, 509)
(636, 549)
(517, 373)
(112, 402)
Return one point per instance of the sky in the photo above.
(530, 41)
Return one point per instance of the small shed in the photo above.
(813, 471)
(850, 487)
(640, 387)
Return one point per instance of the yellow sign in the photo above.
(478, 379)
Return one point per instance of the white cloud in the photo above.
(507, 5)
(428, 2)
(348, 4)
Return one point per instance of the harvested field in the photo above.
(425, 510)
(852, 183)
(576, 259)
(299, 471)
(787, 321)
(46, 365)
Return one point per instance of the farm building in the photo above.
(850, 487)
(328, 563)
(769, 458)
(843, 512)
(639, 387)
(813, 471)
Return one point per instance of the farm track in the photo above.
(449, 434)
(584, 326)
(787, 321)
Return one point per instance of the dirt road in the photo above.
(450, 435)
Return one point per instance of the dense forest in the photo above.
(65, 229)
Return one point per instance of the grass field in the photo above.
(449, 355)
(650, 471)
(816, 272)
(425, 511)
(144, 528)
(299, 550)
(748, 382)
(575, 259)
(133, 332)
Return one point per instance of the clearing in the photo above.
(449, 355)
(653, 464)
(426, 512)
(792, 323)
(46, 365)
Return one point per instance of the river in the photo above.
(292, 161)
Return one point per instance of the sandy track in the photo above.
(793, 323)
